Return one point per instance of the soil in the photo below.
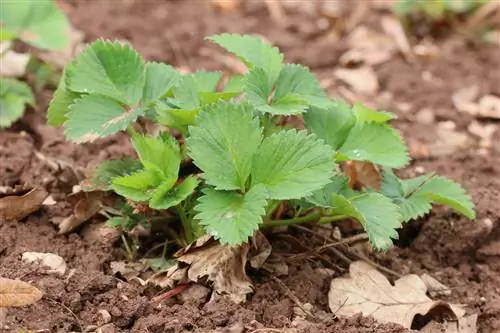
(462, 255)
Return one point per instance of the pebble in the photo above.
(425, 116)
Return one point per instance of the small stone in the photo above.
(489, 106)
(108, 328)
(425, 116)
(195, 293)
(104, 317)
(482, 131)
(56, 264)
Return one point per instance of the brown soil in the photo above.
(464, 256)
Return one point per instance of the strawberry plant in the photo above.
(437, 9)
(38, 23)
(226, 158)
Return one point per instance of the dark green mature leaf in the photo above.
(379, 216)
(110, 69)
(222, 144)
(14, 95)
(160, 154)
(376, 143)
(96, 116)
(338, 185)
(175, 196)
(229, 216)
(253, 51)
(331, 124)
(104, 174)
(160, 78)
(366, 115)
(36, 22)
(292, 164)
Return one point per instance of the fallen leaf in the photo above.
(466, 324)
(17, 207)
(222, 266)
(435, 287)
(363, 174)
(53, 261)
(13, 64)
(464, 99)
(489, 107)
(87, 205)
(368, 291)
(15, 293)
(127, 270)
(363, 79)
(100, 233)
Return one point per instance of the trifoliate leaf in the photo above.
(375, 143)
(257, 88)
(137, 186)
(323, 196)
(234, 84)
(109, 69)
(14, 95)
(292, 164)
(230, 216)
(366, 115)
(331, 124)
(160, 78)
(161, 191)
(379, 216)
(222, 144)
(206, 81)
(186, 94)
(104, 174)
(253, 51)
(175, 196)
(96, 116)
(37, 22)
(160, 154)
(61, 102)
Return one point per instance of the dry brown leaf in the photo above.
(101, 233)
(86, 206)
(23, 203)
(127, 270)
(368, 291)
(222, 266)
(435, 287)
(53, 261)
(363, 174)
(463, 325)
(15, 293)
(362, 80)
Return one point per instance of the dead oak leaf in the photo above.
(15, 293)
(367, 291)
(17, 207)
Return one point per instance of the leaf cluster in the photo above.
(437, 9)
(246, 162)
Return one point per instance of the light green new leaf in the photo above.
(160, 154)
(229, 216)
(253, 51)
(323, 196)
(110, 69)
(96, 116)
(331, 124)
(379, 216)
(137, 186)
(375, 143)
(222, 144)
(292, 164)
(14, 95)
(37, 22)
(103, 175)
(366, 115)
(61, 102)
(165, 200)
(160, 78)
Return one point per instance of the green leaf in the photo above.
(160, 78)
(137, 186)
(379, 216)
(176, 195)
(160, 154)
(104, 174)
(375, 143)
(96, 116)
(61, 102)
(110, 69)
(331, 124)
(323, 196)
(229, 216)
(14, 95)
(253, 51)
(37, 22)
(292, 164)
(234, 84)
(366, 115)
(222, 144)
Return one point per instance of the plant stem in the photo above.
(127, 248)
(131, 131)
(329, 219)
(273, 205)
(314, 216)
(186, 225)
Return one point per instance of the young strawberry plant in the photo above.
(234, 160)
(38, 23)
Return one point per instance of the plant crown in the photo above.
(231, 130)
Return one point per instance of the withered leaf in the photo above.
(363, 174)
(16, 207)
(15, 293)
(86, 205)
